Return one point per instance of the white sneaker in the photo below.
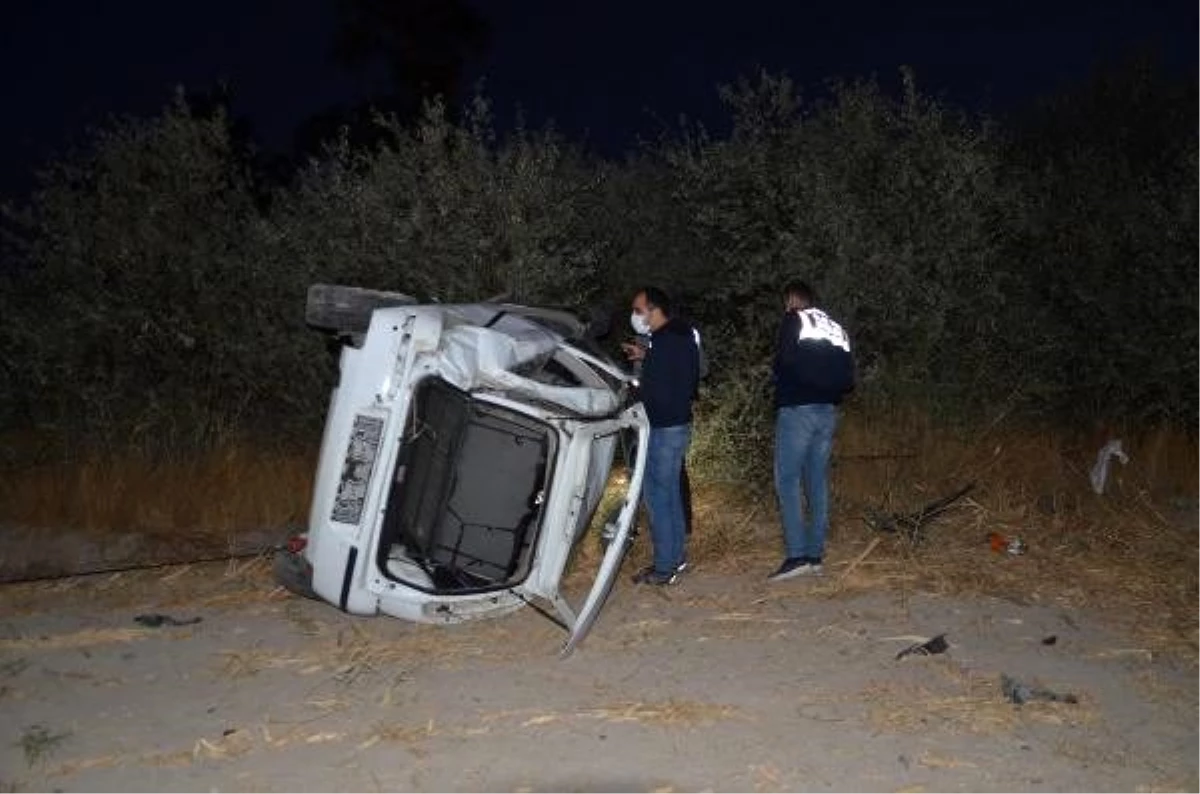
(789, 569)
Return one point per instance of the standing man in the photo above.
(670, 366)
(813, 371)
(685, 484)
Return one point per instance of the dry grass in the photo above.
(228, 746)
(389, 649)
(675, 713)
(72, 640)
(38, 743)
(268, 736)
(234, 488)
(1131, 551)
(974, 706)
(242, 583)
(670, 713)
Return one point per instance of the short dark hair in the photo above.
(800, 289)
(659, 298)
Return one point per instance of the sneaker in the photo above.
(652, 577)
(814, 567)
(791, 567)
(683, 566)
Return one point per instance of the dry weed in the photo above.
(227, 490)
(38, 743)
(1130, 553)
(675, 713)
(969, 704)
(76, 639)
(671, 713)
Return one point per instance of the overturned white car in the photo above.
(465, 453)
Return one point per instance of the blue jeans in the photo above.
(803, 441)
(664, 461)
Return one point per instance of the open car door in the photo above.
(610, 566)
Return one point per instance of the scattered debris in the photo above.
(1099, 472)
(912, 523)
(930, 647)
(1021, 693)
(1053, 638)
(155, 620)
(1002, 544)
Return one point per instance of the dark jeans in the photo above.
(803, 442)
(685, 495)
(664, 496)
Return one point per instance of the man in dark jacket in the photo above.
(685, 484)
(670, 366)
(813, 371)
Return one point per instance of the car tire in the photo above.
(347, 310)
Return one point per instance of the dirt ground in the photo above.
(723, 682)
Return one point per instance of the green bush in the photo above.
(446, 211)
(136, 315)
(1046, 265)
(1108, 247)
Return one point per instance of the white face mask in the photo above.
(640, 324)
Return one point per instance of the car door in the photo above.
(610, 565)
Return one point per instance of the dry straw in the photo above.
(976, 706)
(229, 489)
(1130, 553)
(72, 640)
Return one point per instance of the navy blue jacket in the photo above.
(670, 374)
(813, 363)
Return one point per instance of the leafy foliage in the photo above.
(136, 310)
(445, 211)
(1047, 264)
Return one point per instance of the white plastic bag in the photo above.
(1099, 473)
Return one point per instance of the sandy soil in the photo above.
(721, 683)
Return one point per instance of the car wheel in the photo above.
(347, 310)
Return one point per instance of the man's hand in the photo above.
(633, 351)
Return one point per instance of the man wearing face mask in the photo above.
(642, 340)
(670, 367)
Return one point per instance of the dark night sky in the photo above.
(609, 70)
